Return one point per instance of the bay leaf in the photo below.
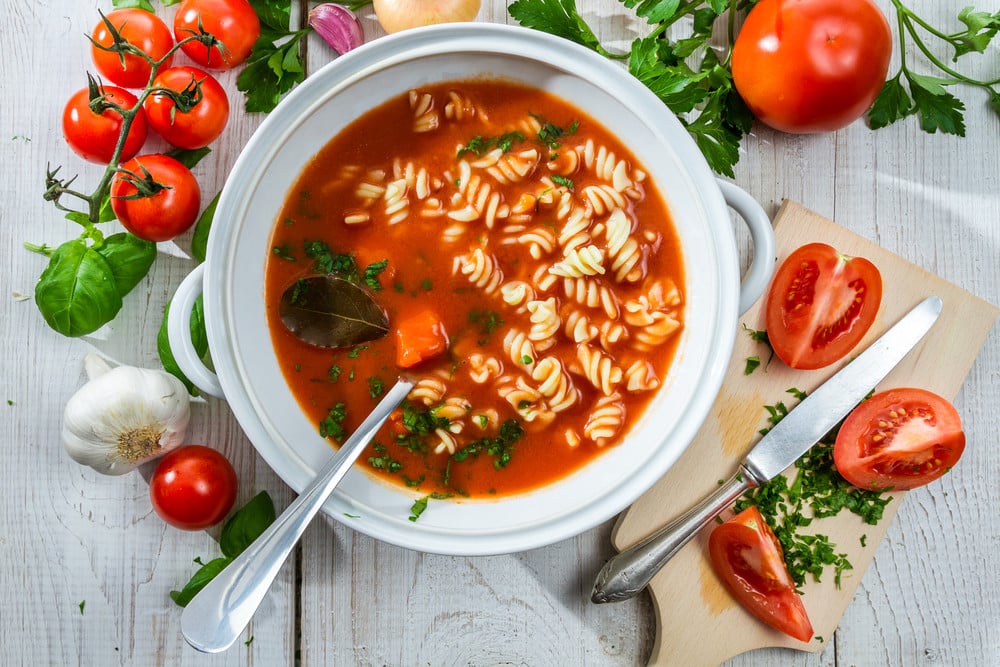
(327, 311)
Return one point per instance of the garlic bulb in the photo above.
(124, 416)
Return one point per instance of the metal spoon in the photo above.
(217, 615)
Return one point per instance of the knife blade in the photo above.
(627, 573)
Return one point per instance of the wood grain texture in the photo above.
(686, 592)
(69, 535)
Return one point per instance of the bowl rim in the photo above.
(447, 39)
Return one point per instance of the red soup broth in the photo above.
(534, 238)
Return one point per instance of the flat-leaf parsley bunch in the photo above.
(685, 61)
(701, 94)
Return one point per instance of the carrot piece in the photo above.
(419, 337)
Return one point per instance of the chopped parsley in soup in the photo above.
(531, 275)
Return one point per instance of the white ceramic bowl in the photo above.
(232, 280)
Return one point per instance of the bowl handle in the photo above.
(179, 334)
(757, 277)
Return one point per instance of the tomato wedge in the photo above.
(899, 439)
(820, 305)
(748, 559)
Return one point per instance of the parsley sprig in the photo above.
(681, 61)
(908, 93)
(816, 491)
(702, 95)
(275, 63)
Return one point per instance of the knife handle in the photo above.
(624, 575)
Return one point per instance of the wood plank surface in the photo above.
(71, 536)
(686, 592)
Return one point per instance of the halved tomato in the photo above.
(748, 559)
(820, 305)
(899, 439)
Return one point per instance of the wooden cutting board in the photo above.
(699, 623)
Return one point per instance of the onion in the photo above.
(396, 15)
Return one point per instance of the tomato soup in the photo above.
(532, 242)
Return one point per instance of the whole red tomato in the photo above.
(233, 22)
(203, 122)
(899, 439)
(193, 487)
(811, 65)
(94, 136)
(820, 305)
(143, 30)
(173, 200)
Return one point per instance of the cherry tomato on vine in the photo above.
(94, 136)
(143, 30)
(820, 305)
(396, 15)
(899, 439)
(233, 22)
(193, 487)
(203, 122)
(811, 65)
(750, 562)
(173, 202)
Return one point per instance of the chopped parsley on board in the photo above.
(816, 491)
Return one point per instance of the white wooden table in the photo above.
(86, 566)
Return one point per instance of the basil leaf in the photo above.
(189, 157)
(246, 525)
(199, 580)
(76, 292)
(199, 339)
(129, 258)
(199, 240)
(138, 4)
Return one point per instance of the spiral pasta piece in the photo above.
(427, 390)
(459, 107)
(603, 198)
(605, 420)
(484, 367)
(517, 294)
(623, 250)
(640, 376)
(545, 323)
(481, 269)
(555, 385)
(520, 349)
(514, 167)
(585, 261)
(605, 165)
(575, 231)
(397, 204)
(453, 409)
(541, 241)
(425, 116)
(588, 292)
(578, 328)
(598, 368)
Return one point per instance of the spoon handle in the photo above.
(626, 574)
(217, 615)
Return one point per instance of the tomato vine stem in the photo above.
(54, 188)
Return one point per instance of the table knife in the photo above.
(626, 574)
